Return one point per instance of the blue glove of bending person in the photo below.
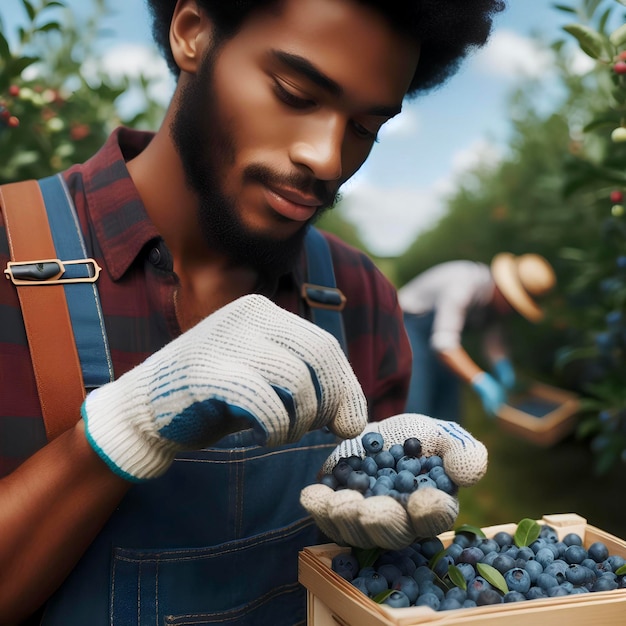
(503, 369)
(490, 391)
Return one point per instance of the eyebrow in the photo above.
(305, 68)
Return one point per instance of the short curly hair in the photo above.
(447, 30)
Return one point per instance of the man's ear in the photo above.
(190, 33)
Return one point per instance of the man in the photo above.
(448, 298)
(277, 104)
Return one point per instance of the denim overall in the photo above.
(435, 390)
(216, 539)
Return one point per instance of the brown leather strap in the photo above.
(44, 309)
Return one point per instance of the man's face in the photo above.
(280, 115)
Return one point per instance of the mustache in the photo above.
(300, 181)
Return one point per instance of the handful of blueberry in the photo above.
(474, 570)
(396, 472)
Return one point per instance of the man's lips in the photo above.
(291, 203)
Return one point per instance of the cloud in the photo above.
(389, 219)
(133, 60)
(406, 123)
(510, 55)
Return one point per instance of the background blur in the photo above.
(518, 152)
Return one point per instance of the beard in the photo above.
(206, 148)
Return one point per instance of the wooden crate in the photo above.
(548, 428)
(333, 601)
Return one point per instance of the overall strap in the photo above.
(320, 291)
(44, 268)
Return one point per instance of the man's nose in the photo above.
(319, 147)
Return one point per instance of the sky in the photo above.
(401, 189)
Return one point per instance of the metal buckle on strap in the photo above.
(49, 272)
(322, 297)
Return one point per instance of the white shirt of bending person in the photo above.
(457, 292)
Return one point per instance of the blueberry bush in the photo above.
(53, 112)
(598, 175)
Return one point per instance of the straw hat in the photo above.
(522, 278)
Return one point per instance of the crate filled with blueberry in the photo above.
(558, 568)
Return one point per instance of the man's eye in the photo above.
(291, 99)
(364, 132)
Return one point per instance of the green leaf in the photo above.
(618, 36)
(588, 39)
(562, 7)
(621, 570)
(30, 9)
(366, 557)
(379, 598)
(493, 576)
(454, 573)
(467, 528)
(5, 51)
(44, 28)
(436, 558)
(527, 531)
(622, 2)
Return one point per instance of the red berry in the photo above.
(13, 122)
(5, 114)
(616, 196)
(14, 91)
(620, 67)
(622, 55)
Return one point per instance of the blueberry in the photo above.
(578, 589)
(408, 586)
(436, 471)
(575, 554)
(358, 481)
(549, 533)
(386, 471)
(454, 550)
(430, 547)
(456, 593)
(397, 600)
(354, 462)
(391, 573)
(345, 564)
(488, 596)
(372, 442)
(469, 604)
(380, 489)
(369, 466)
(489, 558)
(572, 539)
(423, 574)
(534, 569)
(463, 540)
(559, 590)
(444, 483)
(577, 574)
(412, 447)
(329, 480)
(361, 584)
(616, 562)
(409, 463)
(341, 471)
(385, 459)
(468, 571)
(406, 481)
(536, 592)
(525, 553)
(544, 557)
(546, 581)
(471, 555)
(503, 563)
(397, 451)
(376, 584)
(423, 482)
(450, 604)
(428, 599)
(503, 539)
(431, 461)
(517, 579)
(488, 545)
(477, 585)
(431, 587)
(513, 596)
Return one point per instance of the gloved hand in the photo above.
(251, 364)
(491, 392)
(503, 369)
(347, 517)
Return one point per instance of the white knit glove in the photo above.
(347, 517)
(251, 364)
